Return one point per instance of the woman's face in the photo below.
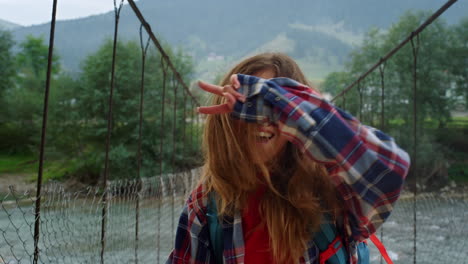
(269, 139)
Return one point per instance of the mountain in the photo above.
(217, 33)
(5, 25)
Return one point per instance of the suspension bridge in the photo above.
(134, 220)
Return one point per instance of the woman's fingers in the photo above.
(229, 92)
(229, 89)
(218, 90)
(231, 100)
(211, 88)
(219, 109)
(234, 81)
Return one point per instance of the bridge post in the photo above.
(105, 183)
(415, 50)
(144, 49)
(37, 213)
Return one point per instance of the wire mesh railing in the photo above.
(71, 221)
(442, 230)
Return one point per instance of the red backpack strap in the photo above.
(334, 246)
(381, 248)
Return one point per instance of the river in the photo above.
(71, 231)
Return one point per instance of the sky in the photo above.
(30, 12)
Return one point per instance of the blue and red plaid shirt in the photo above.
(365, 165)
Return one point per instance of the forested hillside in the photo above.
(430, 118)
(320, 33)
(211, 39)
(5, 25)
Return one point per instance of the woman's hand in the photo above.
(228, 91)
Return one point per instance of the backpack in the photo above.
(327, 240)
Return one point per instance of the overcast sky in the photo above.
(29, 12)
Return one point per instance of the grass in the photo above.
(458, 172)
(455, 122)
(396, 122)
(28, 166)
(18, 163)
(455, 137)
(459, 122)
(57, 170)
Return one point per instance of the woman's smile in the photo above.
(264, 137)
(270, 141)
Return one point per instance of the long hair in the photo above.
(298, 190)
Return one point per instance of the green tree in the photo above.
(92, 106)
(24, 104)
(432, 80)
(7, 66)
(458, 62)
(7, 73)
(335, 82)
(364, 99)
(33, 56)
(433, 102)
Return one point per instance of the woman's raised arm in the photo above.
(366, 166)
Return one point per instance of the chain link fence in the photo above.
(142, 217)
(141, 221)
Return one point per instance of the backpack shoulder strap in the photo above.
(332, 250)
(381, 248)
(215, 228)
(330, 243)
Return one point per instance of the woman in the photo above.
(279, 161)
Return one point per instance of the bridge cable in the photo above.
(382, 126)
(37, 208)
(144, 49)
(394, 50)
(158, 45)
(105, 184)
(415, 52)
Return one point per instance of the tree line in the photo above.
(442, 88)
(78, 107)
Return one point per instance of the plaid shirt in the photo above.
(365, 165)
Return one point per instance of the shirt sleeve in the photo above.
(366, 166)
(192, 242)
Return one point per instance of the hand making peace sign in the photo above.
(228, 91)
